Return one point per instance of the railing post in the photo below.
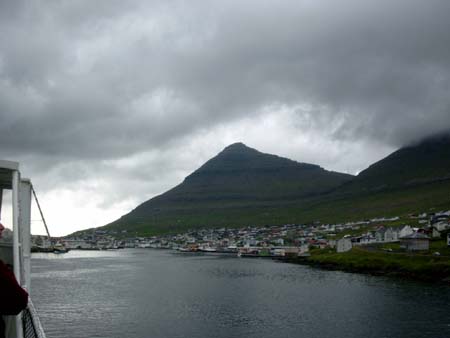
(16, 241)
(25, 232)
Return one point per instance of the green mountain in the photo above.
(236, 187)
(240, 174)
(423, 163)
(415, 178)
(242, 186)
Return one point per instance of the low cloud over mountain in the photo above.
(141, 92)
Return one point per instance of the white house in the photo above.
(343, 245)
(391, 235)
(441, 220)
(379, 234)
(405, 231)
(441, 225)
(436, 233)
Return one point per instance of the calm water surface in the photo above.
(163, 294)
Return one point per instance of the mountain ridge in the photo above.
(425, 161)
(241, 186)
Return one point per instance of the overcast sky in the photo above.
(108, 103)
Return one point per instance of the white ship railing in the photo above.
(26, 324)
(32, 327)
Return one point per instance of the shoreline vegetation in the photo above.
(381, 262)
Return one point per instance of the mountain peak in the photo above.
(239, 158)
(238, 146)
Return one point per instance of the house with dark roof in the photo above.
(415, 242)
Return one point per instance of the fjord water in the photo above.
(140, 293)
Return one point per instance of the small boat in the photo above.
(228, 250)
(59, 249)
(207, 249)
(59, 252)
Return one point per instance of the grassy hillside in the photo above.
(425, 162)
(424, 198)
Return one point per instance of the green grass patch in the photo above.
(419, 266)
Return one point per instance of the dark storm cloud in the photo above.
(89, 80)
(107, 103)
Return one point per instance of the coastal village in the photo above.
(412, 233)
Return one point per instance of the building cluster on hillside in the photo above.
(410, 238)
(285, 240)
